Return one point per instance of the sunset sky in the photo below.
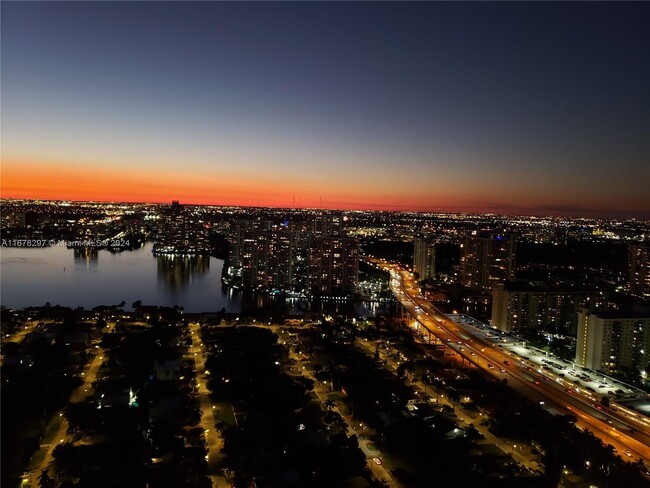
(500, 107)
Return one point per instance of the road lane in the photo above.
(213, 439)
(531, 384)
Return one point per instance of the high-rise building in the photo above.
(486, 259)
(181, 232)
(328, 224)
(241, 238)
(522, 306)
(281, 259)
(639, 260)
(261, 256)
(608, 341)
(333, 265)
(424, 258)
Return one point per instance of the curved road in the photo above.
(629, 436)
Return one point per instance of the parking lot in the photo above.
(543, 361)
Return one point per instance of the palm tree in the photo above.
(404, 369)
(329, 404)
(641, 465)
(409, 368)
(424, 379)
(454, 396)
(44, 480)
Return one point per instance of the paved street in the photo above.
(464, 420)
(43, 458)
(378, 471)
(25, 329)
(214, 441)
(532, 384)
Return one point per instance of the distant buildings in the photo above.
(180, 232)
(486, 259)
(13, 216)
(609, 341)
(639, 261)
(328, 224)
(333, 265)
(523, 306)
(424, 258)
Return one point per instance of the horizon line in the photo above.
(521, 212)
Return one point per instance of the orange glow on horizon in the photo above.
(64, 180)
(72, 182)
(23, 179)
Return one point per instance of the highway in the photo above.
(629, 436)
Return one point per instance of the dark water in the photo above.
(88, 278)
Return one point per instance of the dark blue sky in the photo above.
(511, 106)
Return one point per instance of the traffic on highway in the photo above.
(626, 431)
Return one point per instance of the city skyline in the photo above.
(151, 336)
(522, 109)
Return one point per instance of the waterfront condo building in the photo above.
(333, 265)
(181, 231)
(262, 256)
